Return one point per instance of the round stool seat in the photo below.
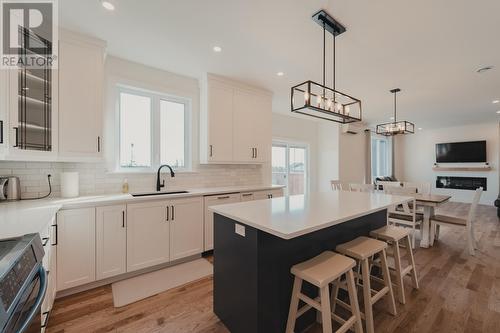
(323, 269)
(361, 247)
(390, 233)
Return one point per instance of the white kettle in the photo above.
(10, 188)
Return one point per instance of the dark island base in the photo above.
(252, 279)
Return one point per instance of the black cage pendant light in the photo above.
(318, 100)
(396, 127)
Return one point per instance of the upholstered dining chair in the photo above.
(468, 223)
(361, 187)
(336, 185)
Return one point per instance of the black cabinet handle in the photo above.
(45, 241)
(46, 320)
(173, 213)
(1, 131)
(57, 237)
(224, 197)
(98, 144)
(211, 150)
(246, 194)
(16, 129)
(168, 213)
(123, 219)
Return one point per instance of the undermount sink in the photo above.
(158, 193)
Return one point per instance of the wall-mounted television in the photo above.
(461, 152)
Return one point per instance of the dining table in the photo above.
(429, 202)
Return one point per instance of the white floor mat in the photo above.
(140, 287)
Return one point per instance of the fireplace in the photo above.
(461, 183)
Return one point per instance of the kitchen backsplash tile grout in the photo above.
(94, 178)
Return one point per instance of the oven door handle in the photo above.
(39, 299)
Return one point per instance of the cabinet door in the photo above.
(81, 75)
(186, 227)
(148, 235)
(111, 241)
(75, 247)
(262, 135)
(220, 122)
(244, 121)
(209, 216)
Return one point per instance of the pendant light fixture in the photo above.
(318, 100)
(396, 127)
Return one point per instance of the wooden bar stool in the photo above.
(363, 249)
(320, 271)
(395, 236)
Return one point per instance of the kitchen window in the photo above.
(289, 166)
(154, 129)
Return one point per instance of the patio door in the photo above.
(289, 166)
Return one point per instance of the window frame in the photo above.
(389, 142)
(155, 125)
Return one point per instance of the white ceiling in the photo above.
(428, 48)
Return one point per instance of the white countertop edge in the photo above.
(310, 229)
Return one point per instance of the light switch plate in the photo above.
(239, 229)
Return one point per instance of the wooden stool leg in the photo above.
(335, 294)
(294, 305)
(411, 260)
(387, 281)
(353, 300)
(367, 296)
(399, 275)
(326, 314)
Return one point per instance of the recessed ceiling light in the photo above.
(420, 128)
(217, 49)
(498, 111)
(496, 101)
(280, 73)
(481, 70)
(108, 5)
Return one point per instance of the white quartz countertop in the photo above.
(32, 216)
(290, 217)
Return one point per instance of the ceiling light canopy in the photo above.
(396, 127)
(318, 100)
(280, 73)
(108, 5)
(217, 49)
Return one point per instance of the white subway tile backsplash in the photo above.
(94, 179)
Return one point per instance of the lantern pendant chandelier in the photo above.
(318, 100)
(396, 127)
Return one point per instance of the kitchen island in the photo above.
(256, 244)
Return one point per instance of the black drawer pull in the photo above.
(246, 194)
(46, 320)
(45, 241)
(224, 197)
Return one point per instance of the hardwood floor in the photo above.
(458, 293)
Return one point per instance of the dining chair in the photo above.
(361, 187)
(405, 214)
(422, 188)
(468, 223)
(336, 185)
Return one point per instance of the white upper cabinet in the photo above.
(81, 77)
(235, 124)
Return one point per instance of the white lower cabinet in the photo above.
(148, 235)
(111, 241)
(163, 231)
(50, 265)
(75, 247)
(209, 216)
(186, 227)
(268, 194)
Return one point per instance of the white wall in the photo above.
(352, 158)
(415, 156)
(301, 131)
(328, 154)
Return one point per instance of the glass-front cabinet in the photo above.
(32, 88)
